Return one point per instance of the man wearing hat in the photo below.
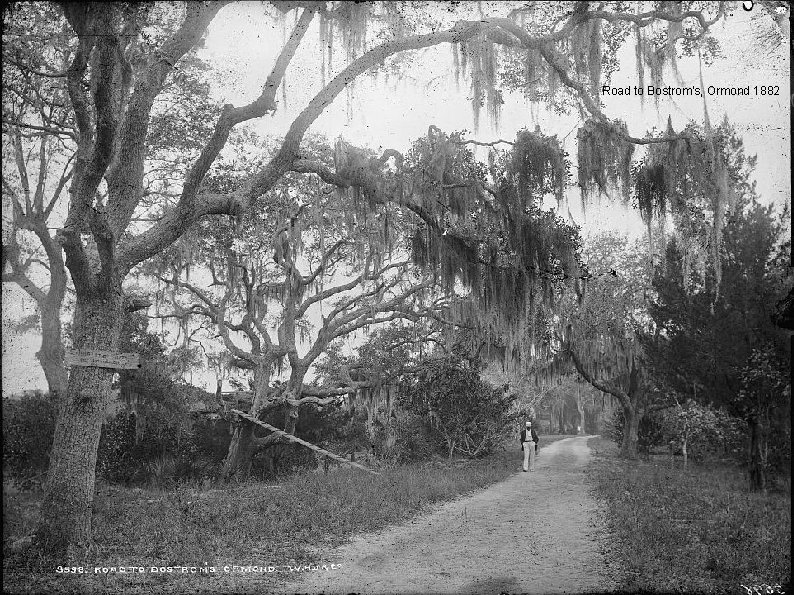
(529, 444)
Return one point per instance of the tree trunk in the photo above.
(238, 460)
(291, 419)
(757, 471)
(580, 409)
(684, 452)
(65, 523)
(51, 353)
(628, 448)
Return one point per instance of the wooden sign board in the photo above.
(102, 359)
(238, 396)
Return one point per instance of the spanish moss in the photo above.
(604, 157)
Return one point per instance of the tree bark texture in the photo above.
(51, 354)
(65, 524)
(237, 463)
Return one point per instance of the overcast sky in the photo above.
(242, 43)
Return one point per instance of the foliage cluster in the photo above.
(28, 428)
(167, 451)
(466, 412)
(710, 433)
(331, 427)
(717, 343)
(405, 438)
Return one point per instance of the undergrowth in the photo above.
(690, 531)
(260, 524)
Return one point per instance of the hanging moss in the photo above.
(594, 56)
(479, 59)
(639, 53)
(604, 157)
(534, 73)
(326, 34)
(650, 190)
(351, 18)
(586, 51)
(456, 64)
(675, 30)
(538, 163)
(503, 249)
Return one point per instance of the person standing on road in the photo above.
(529, 444)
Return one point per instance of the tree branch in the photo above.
(177, 220)
(125, 179)
(600, 385)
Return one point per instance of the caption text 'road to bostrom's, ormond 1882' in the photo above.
(693, 91)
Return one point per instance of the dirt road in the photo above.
(533, 533)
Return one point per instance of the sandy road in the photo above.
(532, 533)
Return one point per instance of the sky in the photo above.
(242, 43)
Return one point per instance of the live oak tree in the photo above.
(603, 328)
(113, 79)
(287, 283)
(39, 138)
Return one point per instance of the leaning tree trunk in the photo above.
(65, 524)
(628, 447)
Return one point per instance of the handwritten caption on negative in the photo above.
(692, 91)
(763, 589)
(231, 568)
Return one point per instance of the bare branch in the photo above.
(484, 144)
(48, 129)
(18, 276)
(38, 195)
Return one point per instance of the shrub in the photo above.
(709, 433)
(466, 412)
(164, 450)
(117, 459)
(406, 437)
(28, 429)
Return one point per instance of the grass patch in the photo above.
(282, 524)
(693, 531)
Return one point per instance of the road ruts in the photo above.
(532, 533)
